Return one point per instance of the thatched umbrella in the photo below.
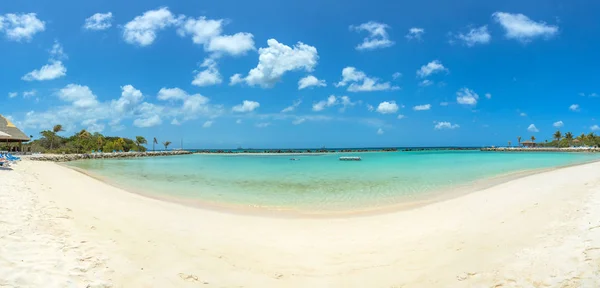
(14, 134)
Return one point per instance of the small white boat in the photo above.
(350, 158)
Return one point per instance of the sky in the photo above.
(292, 74)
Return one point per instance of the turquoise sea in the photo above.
(319, 182)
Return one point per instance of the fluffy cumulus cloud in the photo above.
(386, 107)
(29, 94)
(520, 27)
(377, 38)
(208, 32)
(21, 27)
(475, 36)
(532, 128)
(292, 107)
(79, 96)
(423, 107)
(359, 82)
(51, 71)
(558, 124)
(466, 96)
(595, 127)
(332, 100)
(98, 21)
(425, 83)
(445, 125)
(415, 33)
(574, 107)
(208, 76)
(57, 51)
(246, 106)
(396, 75)
(171, 94)
(130, 97)
(277, 59)
(430, 68)
(142, 30)
(310, 81)
(12, 94)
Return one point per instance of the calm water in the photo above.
(317, 182)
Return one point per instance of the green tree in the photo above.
(119, 144)
(557, 137)
(519, 139)
(167, 143)
(57, 128)
(569, 137)
(509, 143)
(139, 140)
(532, 138)
(154, 142)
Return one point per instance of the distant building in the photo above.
(528, 143)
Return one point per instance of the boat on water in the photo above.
(350, 158)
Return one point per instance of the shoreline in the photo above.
(67, 229)
(427, 198)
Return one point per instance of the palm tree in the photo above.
(557, 136)
(533, 139)
(57, 128)
(139, 140)
(509, 143)
(569, 137)
(167, 143)
(519, 139)
(154, 142)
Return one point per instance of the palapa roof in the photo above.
(527, 142)
(16, 135)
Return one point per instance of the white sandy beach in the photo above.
(61, 228)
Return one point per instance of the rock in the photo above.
(118, 155)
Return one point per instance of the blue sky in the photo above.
(303, 74)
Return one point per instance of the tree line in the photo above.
(561, 140)
(86, 142)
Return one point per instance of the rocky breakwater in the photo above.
(116, 155)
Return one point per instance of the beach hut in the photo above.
(528, 143)
(15, 136)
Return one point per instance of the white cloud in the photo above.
(47, 72)
(92, 126)
(299, 121)
(12, 94)
(423, 107)
(445, 125)
(292, 107)
(466, 96)
(310, 81)
(378, 36)
(263, 125)
(175, 122)
(574, 107)
(207, 32)
(443, 103)
(558, 124)
(475, 36)
(130, 98)
(595, 128)
(532, 128)
(235, 79)
(171, 94)
(488, 95)
(21, 27)
(321, 105)
(415, 33)
(207, 124)
(386, 107)
(430, 68)
(210, 76)
(520, 27)
(370, 108)
(523, 114)
(400, 116)
(57, 52)
(238, 121)
(142, 29)
(277, 59)
(151, 121)
(29, 94)
(235, 45)
(396, 75)
(380, 131)
(98, 21)
(360, 82)
(246, 106)
(425, 83)
(79, 96)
